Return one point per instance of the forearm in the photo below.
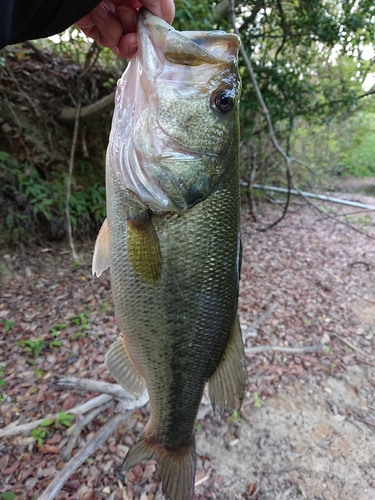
(22, 20)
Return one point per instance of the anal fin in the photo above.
(122, 369)
(227, 383)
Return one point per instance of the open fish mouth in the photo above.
(169, 135)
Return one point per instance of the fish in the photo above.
(172, 238)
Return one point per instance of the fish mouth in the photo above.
(152, 150)
(191, 48)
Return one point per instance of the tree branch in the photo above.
(67, 114)
(267, 117)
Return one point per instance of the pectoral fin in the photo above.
(227, 383)
(143, 248)
(122, 369)
(100, 261)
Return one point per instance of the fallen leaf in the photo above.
(48, 448)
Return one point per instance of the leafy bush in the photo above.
(34, 205)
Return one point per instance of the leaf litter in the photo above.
(306, 427)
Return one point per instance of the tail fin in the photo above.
(176, 467)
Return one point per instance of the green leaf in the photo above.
(55, 343)
(46, 422)
(8, 495)
(65, 418)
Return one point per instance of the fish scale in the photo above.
(171, 240)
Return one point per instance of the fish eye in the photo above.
(224, 100)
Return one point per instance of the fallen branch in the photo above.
(333, 217)
(79, 410)
(201, 481)
(323, 197)
(67, 114)
(100, 437)
(75, 431)
(288, 350)
(88, 385)
(259, 321)
(114, 390)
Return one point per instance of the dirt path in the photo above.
(306, 442)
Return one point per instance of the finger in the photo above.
(108, 25)
(127, 46)
(163, 9)
(127, 15)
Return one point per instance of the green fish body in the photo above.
(171, 239)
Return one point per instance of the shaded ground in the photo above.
(306, 428)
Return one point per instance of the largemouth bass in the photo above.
(172, 238)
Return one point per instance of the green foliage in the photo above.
(8, 495)
(55, 329)
(2, 381)
(42, 431)
(340, 148)
(82, 322)
(310, 61)
(34, 346)
(109, 83)
(192, 15)
(8, 324)
(54, 343)
(235, 417)
(258, 402)
(64, 419)
(32, 200)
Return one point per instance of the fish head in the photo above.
(176, 115)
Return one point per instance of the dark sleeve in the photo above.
(22, 20)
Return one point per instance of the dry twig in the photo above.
(79, 410)
(260, 320)
(114, 390)
(75, 430)
(100, 437)
(352, 346)
(288, 350)
(69, 182)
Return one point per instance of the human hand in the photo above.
(113, 23)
